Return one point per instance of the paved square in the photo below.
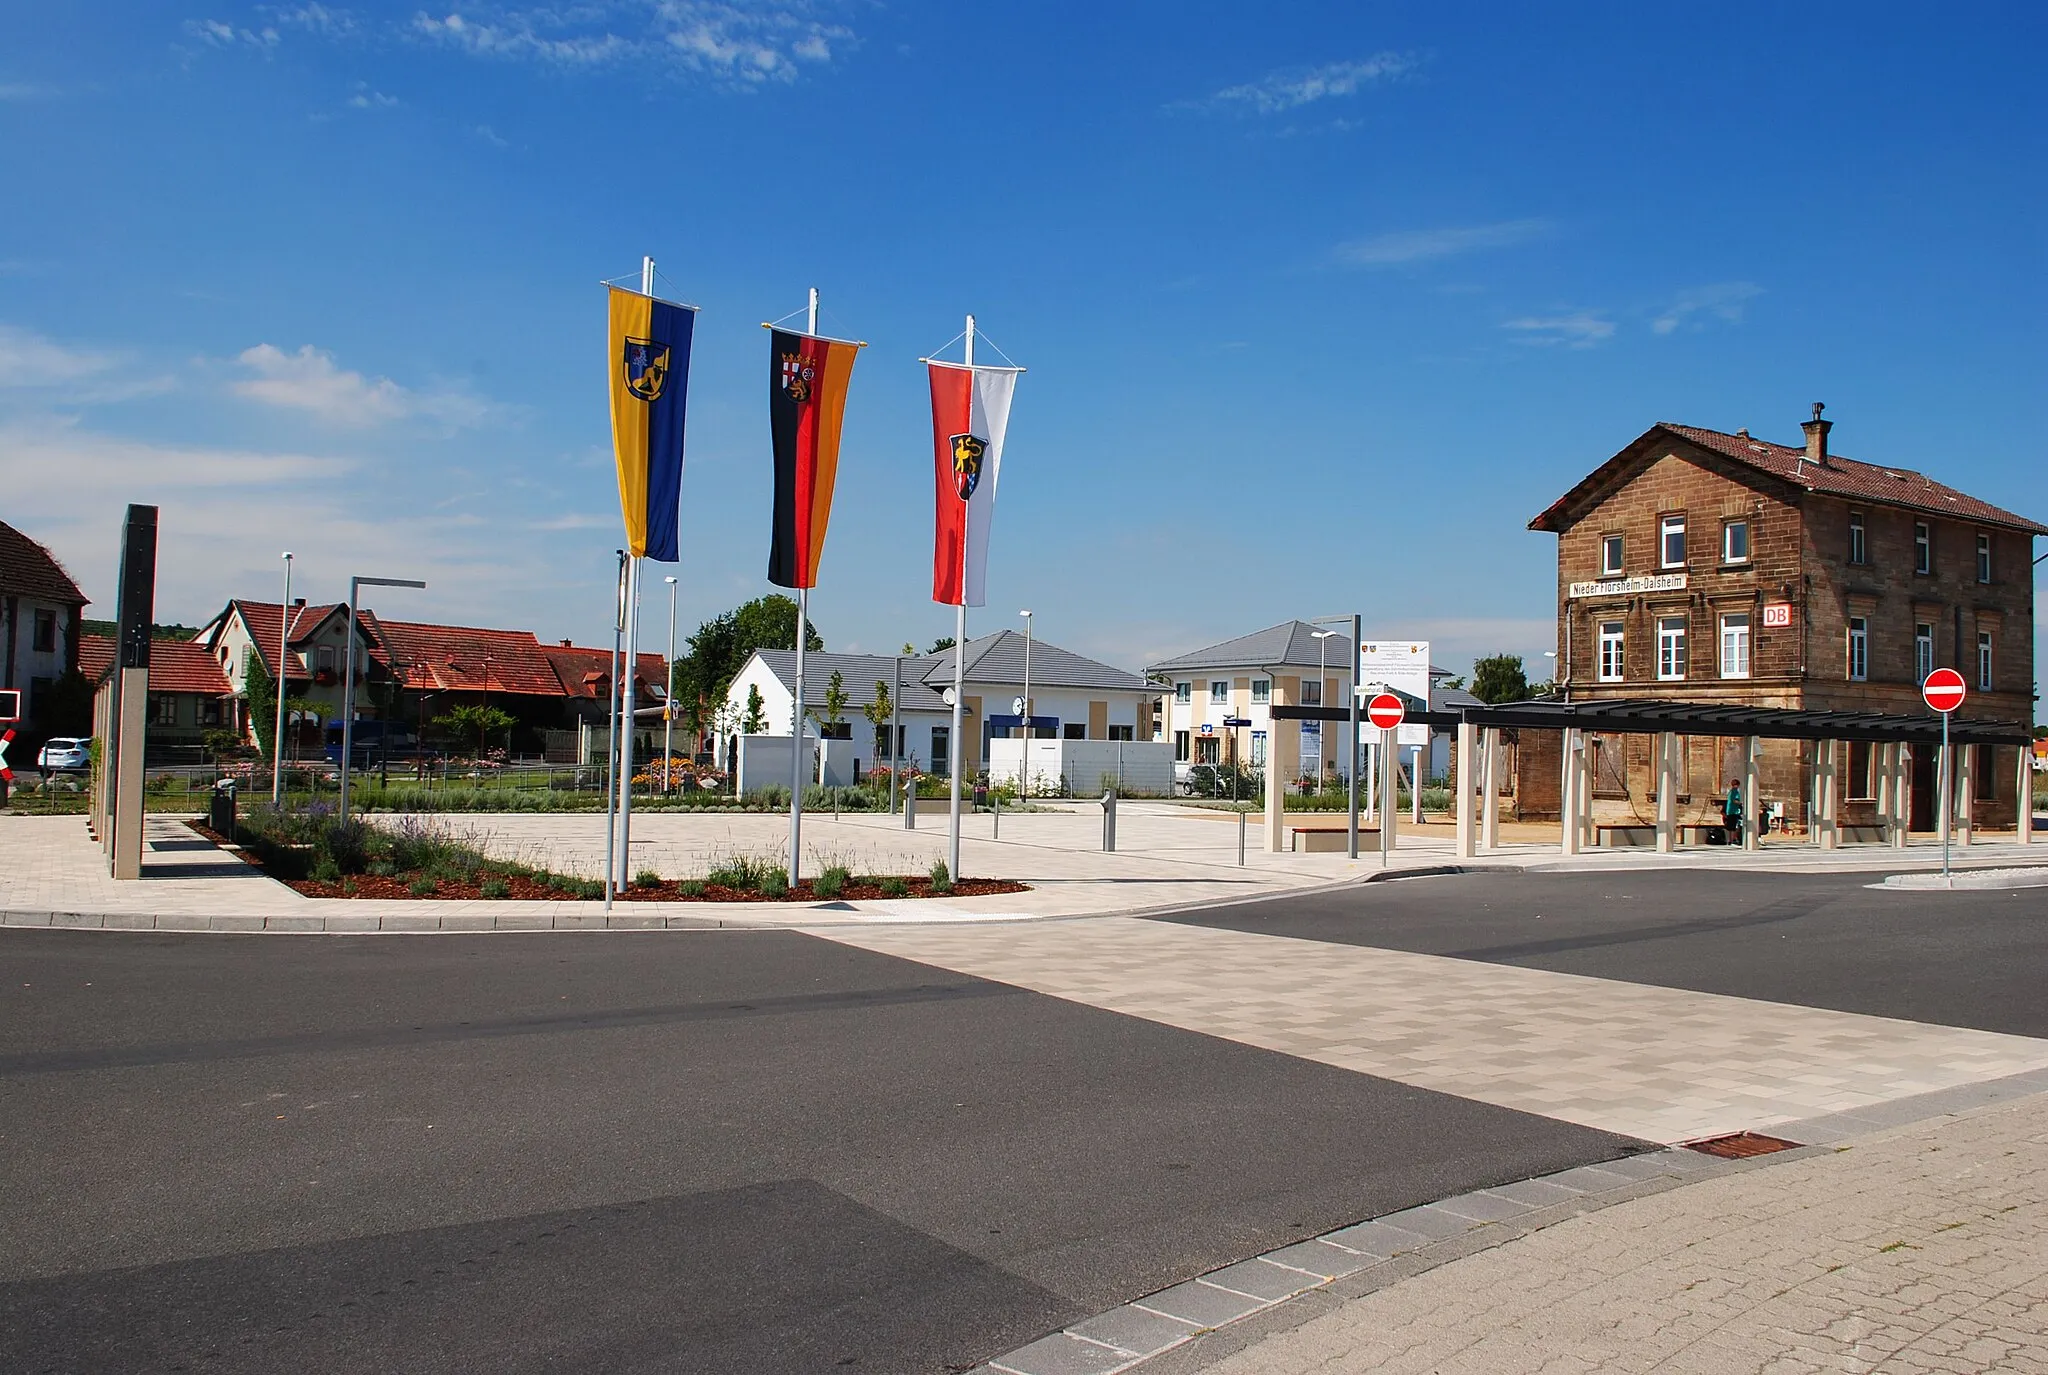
(1660, 1063)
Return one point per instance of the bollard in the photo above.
(1109, 821)
(1240, 839)
(909, 807)
(998, 799)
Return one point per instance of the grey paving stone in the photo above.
(1430, 1221)
(1484, 1207)
(182, 921)
(1592, 1179)
(301, 924)
(577, 921)
(520, 921)
(1260, 1280)
(234, 923)
(129, 921)
(481, 921)
(1200, 1303)
(1637, 1167)
(637, 922)
(1061, 1354)
(1320, 1258)
(401, 921)
(90, 921)
(1376, 1239)
(352, 924)
(1538, 1193)
(1136, 1331)
(28, 918)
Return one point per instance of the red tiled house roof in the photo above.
(585, 673)
(27, 569)
(1837, 477)
(174, 665)
(459, 658)
(264, 619)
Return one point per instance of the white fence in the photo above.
(764, 762)
(1085, 767)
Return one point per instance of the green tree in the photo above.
(835, 698)
(721, 646)
(755, 722)
(474, 716)
(1499, 678)
(261, 690)
(878, 713)
(942, 644)
(65, 706)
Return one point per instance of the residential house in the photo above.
(40, 611)
(189, 696)
(1072, 697)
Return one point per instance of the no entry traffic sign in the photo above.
(1944, 690)
(1385, 711)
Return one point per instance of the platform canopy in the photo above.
(1649, 716)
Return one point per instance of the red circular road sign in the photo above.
(1385, 711)
(1944, 690)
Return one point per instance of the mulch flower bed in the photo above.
(519, 887)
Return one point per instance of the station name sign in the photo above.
(1626, 587)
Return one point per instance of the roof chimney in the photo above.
(1817, 437)
(565, 644)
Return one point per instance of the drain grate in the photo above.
(1740, 1145)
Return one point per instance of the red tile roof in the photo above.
(27, 569)
(460, 658)
(263, 620)
(174, 665)
(1839, 477)
(585, 672)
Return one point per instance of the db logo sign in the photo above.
(1777, 615)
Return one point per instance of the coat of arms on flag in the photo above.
(967, 452)
(798, 373)
(646, 368)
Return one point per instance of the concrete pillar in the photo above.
(2023, 796)
(1752, 805)
(125, 812)
(1466, 781)
(1827, 790)
(1881, 765)
(1390, 797)
(1966, 794)
(1489, 798)
(1667, 792)
(1902, 794)
(1568, 793)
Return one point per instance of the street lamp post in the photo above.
(284, 649)
(1024, 757)
(668, 699)
(348, 681)
(1322, 639)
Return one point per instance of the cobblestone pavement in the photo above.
(1662, 1064)
(1920, 1249)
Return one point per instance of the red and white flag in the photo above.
(970, 412)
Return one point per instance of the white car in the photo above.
(63, 754)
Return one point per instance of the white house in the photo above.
(40, 612)
(1072, 697)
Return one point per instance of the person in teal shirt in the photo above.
(1731, 812)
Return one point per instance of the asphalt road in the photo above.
(1972, 959)
(619, 1152)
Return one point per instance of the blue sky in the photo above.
(1320, 303)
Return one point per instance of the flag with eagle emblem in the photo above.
(650, 376)
(970, 412)
(807, 380)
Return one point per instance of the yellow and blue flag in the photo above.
(650, 370)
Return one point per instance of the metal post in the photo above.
(2023, 797)
(1109, 821)
(895, 731)
(1947, 799)
(348, 698)
(1568, 793)
(796, 734)
(996, 806)
(1024, 769)
(960, 679)
(1465, 777)
(1351, 787)
(631, 664)
(1240, 837)
(284, 650)
(611, 743)
(1966, 803)
(668, 700)
(1390, 802)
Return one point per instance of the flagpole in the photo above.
(960, 663)
(796, 733)
(631, 667)
(611, 740)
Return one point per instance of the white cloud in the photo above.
(1293, 88)
(366, 98)
(219, 33)
(62, 373)
(1579, 330)
(310, 381)
(1723, 301)
(748, 44)
(1421, 245)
